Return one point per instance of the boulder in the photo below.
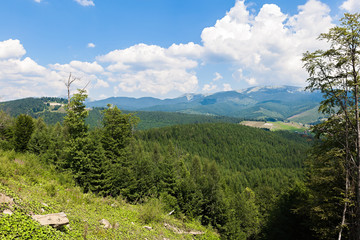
(8, 212)
(55, 219)
(106, 224)
(148, 228)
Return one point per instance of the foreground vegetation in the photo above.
(38, 188)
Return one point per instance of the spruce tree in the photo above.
(24, 127)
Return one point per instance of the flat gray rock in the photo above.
(54, 219)
(6, 199)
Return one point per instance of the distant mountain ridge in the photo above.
(261, 102)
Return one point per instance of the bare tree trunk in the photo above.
(347, 163)
(345, 204)
(68, 83)
(357, 150)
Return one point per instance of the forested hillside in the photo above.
(52, 114)
(224, 175)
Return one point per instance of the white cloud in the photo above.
(11, 49)
(217, 77)
(38, 1)
(239, 76)
(190, 50)
(20, 78)
(158, 82)
(101, 84)
(251, 81)
(151, 69)
(78, 67)
(85, 3)
(351, 6)
(209, 87)
(91, 45)
(269, 44)
(143, 56)
(87, 67)
(227, 87)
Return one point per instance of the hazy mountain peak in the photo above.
(289, 89)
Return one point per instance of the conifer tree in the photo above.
(24, 127)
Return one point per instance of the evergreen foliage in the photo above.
(24, 127)
(224, 175)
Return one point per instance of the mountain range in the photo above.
(262, 103)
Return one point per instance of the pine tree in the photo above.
(24, 127)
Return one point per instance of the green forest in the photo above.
(239, 182)
(225, 175)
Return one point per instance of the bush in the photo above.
(152, 211)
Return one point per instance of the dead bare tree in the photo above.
(68, 83)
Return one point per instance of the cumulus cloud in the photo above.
(227, 87)
(78, 67)
(101, 84)
(209, 87)
(21, 78)
(190, 50)
(142, 56)
(158, 81)
(85, 3)
(268, 44)
(11, 49)
(150, 68)
(351, 6)
(91, 45)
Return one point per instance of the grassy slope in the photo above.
(309, 116)
(277, 126)
(31, 184)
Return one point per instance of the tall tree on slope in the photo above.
(335, 72)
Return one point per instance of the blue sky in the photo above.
(158, 48)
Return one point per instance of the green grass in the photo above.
(291, 126)
(33, 184)
(309, 116)
(277, 126)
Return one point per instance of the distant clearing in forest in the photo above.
(276, 126)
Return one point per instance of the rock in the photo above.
(55, 220)
(8, 212)
(42, 210)
(106, 224)
(148, 228)
(6, 199)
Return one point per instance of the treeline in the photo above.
(225, 175)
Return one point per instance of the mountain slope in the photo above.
(268, 102)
